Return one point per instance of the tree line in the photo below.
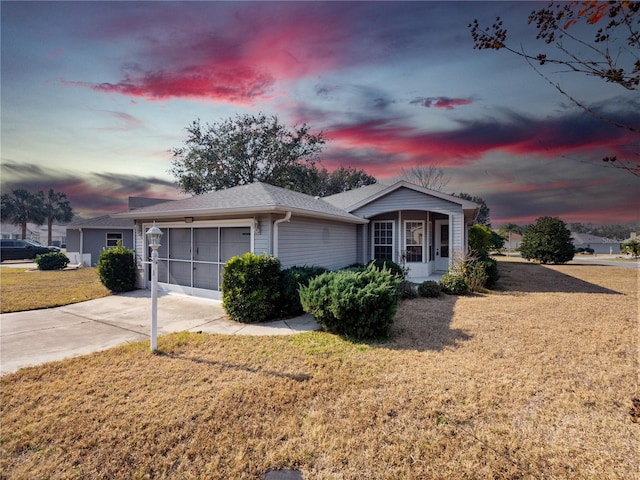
(258, 148)
(22, 207)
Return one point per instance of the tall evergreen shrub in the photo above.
(291, 280)
(117, 269)
(251, 287)
(359, 304)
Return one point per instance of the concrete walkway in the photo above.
(38, 336)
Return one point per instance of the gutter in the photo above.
(286, 218)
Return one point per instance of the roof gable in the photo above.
(355, 199)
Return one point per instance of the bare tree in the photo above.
(432, 177)
(611, 52)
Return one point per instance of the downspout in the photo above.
(286, 218)
(81, 247)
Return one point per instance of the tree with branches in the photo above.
(243, 150)
(22, 207)
(432, 176)
(56, 207)
(611, 52)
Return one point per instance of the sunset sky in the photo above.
(94, 96)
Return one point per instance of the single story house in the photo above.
(86, 239)
(598, 244)
(411, 225)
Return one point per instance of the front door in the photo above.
(442, 245)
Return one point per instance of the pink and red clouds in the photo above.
(445, 103)
(232, 85)
(238, 61)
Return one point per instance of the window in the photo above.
(414, 240)
(113, 239)
(383, 240)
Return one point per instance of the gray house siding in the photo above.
(73, 240)
(317, 242)
(93, 241)
(406, 199)
(262, 239)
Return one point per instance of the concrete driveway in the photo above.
(38, 336)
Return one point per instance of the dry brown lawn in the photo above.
(23, 289)
(534, 381)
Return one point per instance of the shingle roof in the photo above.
(254, 197)
(351, 197)
(105, 221)
(585, 238)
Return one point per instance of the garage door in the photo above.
(192, 259)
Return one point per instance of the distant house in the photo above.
(598, 244)
(86, 239)
(39, 233)
(408, 224)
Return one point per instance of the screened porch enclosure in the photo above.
(194, 258)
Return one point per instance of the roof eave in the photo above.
(202, 212)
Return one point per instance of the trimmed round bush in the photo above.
(291, 279)
(354, 304)
(117, 269)
(51, 261)
(251, 287)
(429, 289)
(453, 284)
(407, 290)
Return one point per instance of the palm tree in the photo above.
(56, 207)
(22, 207)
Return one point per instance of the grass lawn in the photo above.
(533, 381)
(23, 289)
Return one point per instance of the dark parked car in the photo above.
(21, 249)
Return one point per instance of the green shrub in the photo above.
(291, 280)
(406, 290)
(51, 261)
(117, 269)
(395, 269)
(547, 241)
(475, 274)
(355, 304)
(251, 287)
(429, 289)
(453, 284)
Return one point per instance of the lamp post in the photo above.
(154, 234)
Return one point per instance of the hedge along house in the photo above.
(402, 222)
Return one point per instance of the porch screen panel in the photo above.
(414, 240)
(180, 243)
(383, 240)
(205, 275)
(163, 271)
(180, 273)
(234, 241)
(205, 241)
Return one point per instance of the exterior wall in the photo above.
(95, 240)
(407, 199)
(457, 232)
(262, 240)
(305, 241)
(73, 240)
(141, 268)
